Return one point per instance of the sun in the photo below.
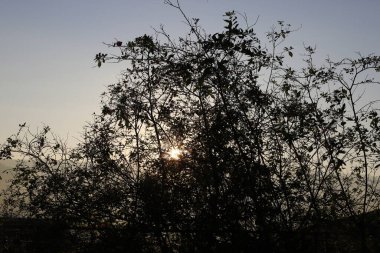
(175, 153)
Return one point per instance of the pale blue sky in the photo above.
(47, 73)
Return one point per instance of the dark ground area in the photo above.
(32, 235)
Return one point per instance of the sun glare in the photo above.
(175, 153)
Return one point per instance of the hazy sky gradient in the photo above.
(47, 73)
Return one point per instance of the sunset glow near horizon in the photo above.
(48, 76)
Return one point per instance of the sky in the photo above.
(47, 47)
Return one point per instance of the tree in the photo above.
(267, 153)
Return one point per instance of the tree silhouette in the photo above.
(267, 154)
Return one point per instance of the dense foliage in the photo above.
(267, 152)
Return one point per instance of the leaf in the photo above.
(222, 67)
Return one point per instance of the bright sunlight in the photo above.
(175, 153)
